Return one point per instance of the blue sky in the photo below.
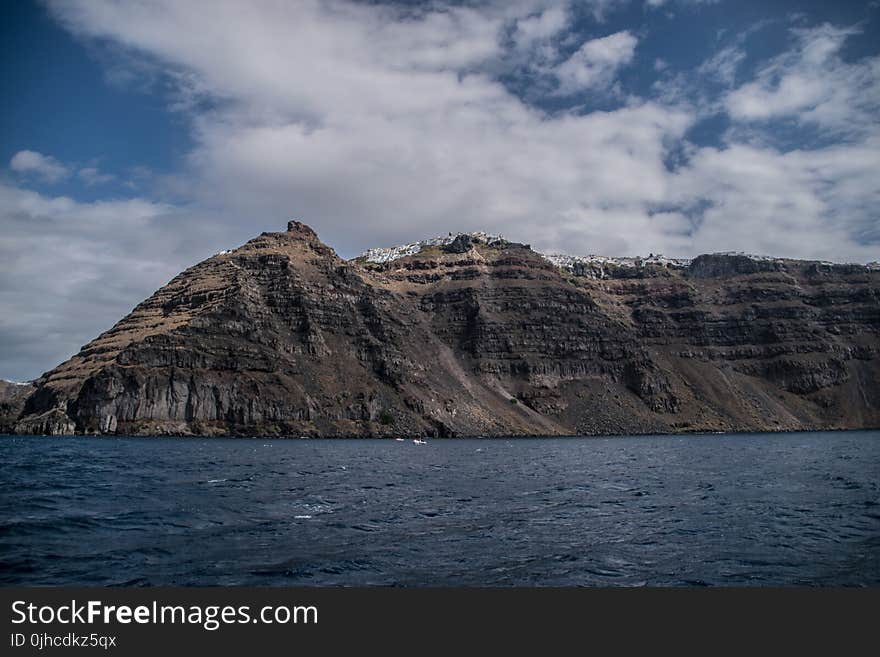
(141, 137)
(61, 100)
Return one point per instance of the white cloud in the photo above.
(661, 3)
(809, 202)
(69, 270)
(93, 176)
(379, 125)
(51, 170)
(801, 204)
(596, 62)
(348, 117)
(44, 166)
(813, 85)
(724, 64)
(541, 26)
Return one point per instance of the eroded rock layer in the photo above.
(472, 337)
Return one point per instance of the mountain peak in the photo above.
(303, 230)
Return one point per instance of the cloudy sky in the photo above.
(139, 137)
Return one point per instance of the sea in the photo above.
(781, 509)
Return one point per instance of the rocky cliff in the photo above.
(473, 335)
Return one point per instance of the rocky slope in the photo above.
(473, 335)
(12, 398)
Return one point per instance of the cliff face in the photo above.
(474, 337)
(12, 399)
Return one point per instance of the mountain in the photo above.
(473, 335)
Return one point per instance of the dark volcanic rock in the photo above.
(461, 244)
(721, 265)
(282, 337)
(12, 403)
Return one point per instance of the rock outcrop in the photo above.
(473, 335)
(12, 398)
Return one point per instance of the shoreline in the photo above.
(409, 437)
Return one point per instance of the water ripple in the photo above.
(742, 510)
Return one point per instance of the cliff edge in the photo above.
(473, 335)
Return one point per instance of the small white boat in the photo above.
(419, 441)
(400, 440)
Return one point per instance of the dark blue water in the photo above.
(757, 509)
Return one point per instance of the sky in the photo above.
(140, 137)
